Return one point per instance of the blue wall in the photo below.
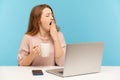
(80, 21)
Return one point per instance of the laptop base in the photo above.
(58, 72)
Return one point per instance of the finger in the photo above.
(37, 49)
(52, 23)
(39, 52)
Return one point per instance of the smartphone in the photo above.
(37, 72)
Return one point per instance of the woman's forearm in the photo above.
(58, 49)
(27, 60)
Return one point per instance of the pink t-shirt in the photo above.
(28, 42)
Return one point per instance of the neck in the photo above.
(44, 33)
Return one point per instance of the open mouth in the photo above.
(50, 23)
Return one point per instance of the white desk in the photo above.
(24, 73)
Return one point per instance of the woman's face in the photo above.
(46, 19)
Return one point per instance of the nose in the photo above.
(51, 17)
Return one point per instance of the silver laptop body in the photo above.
(81, 58)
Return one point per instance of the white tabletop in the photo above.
(25, 73)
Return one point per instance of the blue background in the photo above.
(79, 20)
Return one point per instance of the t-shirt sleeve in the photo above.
(24, 48)
(60, 61)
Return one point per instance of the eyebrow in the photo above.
(49, 13)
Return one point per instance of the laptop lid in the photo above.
(83, 58)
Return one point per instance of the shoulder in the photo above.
(60, 34)
(27, 37)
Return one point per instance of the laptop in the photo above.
(81, 58)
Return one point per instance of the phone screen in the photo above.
(37, 72)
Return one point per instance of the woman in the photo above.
(42, 29)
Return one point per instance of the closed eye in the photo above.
(47, 15)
